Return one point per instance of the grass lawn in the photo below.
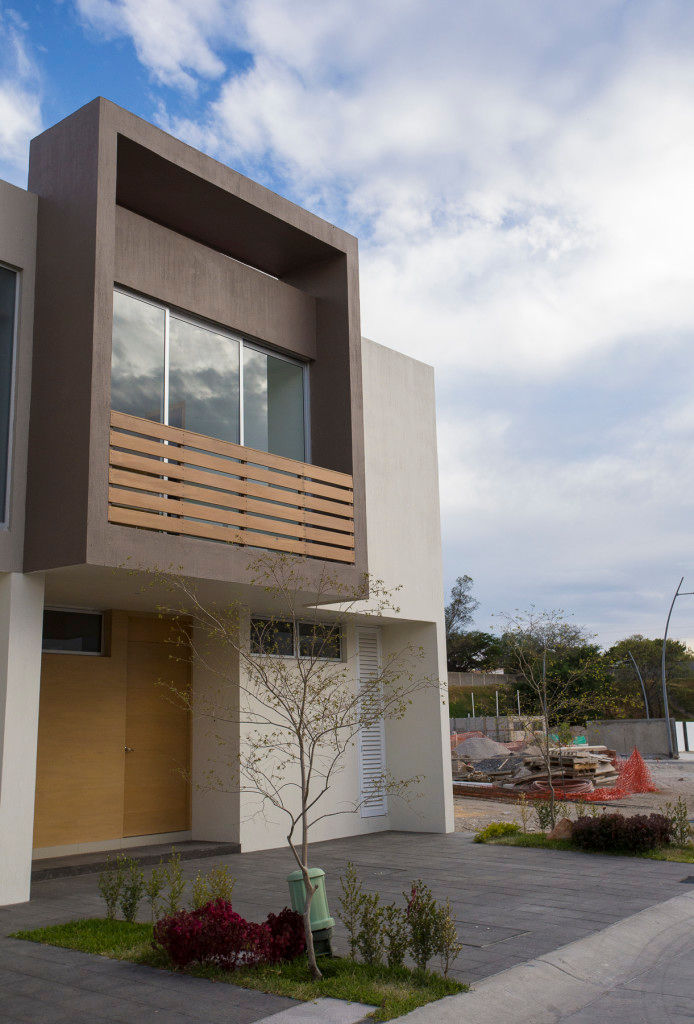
(391, 991)
(536, 840)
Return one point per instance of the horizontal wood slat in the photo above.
(176, 481)
(188, 438)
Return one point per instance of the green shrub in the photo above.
(217, 884)
(133, 889)
(370, 934)
(448, 945)
(111, 882)
(351, 900)
(678, 816)
(614, 832)
(423, 922)
(154, 887)
(497, 829)
(543, 812)
(174, 884)
(395, 934)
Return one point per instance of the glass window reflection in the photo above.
(137, 359)
(203, 381)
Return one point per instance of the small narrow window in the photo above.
(320, 640)
(69, 632)
(271, 637)
(8, 301)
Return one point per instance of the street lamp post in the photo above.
(640, 678)
(666, 709)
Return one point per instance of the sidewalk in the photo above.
(638, 970)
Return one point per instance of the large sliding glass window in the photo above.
(8, 303)
(173, 369)
(137, 359)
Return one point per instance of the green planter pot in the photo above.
(322, 923)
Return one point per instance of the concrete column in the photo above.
(21, 627)
(215, 680)
(419, 743)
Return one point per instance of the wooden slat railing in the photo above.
(175, 481)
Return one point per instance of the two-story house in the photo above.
(150, 297)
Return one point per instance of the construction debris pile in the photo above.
(574, 770)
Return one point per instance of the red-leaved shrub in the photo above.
(215, 933)
(287, 939)
(634, 834)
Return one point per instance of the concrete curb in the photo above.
(321, 1011)
(558, 984)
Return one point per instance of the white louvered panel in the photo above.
(372, 740)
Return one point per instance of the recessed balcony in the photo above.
(176, 481)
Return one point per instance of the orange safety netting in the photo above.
(634, 777)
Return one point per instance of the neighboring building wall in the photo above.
(474, 680)
(18, 250)
(404, 541)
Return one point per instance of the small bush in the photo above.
(370, 934)
(287, 938)
(613, 832)
(217, 884)
(448, 945)
(174, 884)
(351, 901)
(395, 935)
(111, 882)
(154, 887)
(423, 922)
(216, 933)
(543, 812)
(497, 829)
(678, 816)
(132, 890)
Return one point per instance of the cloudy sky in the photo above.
(520, 175)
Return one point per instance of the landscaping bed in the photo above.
(392, 991)
(195, 930)
(538, 840)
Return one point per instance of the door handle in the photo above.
(130, 750)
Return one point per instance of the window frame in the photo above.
(296, 639)
(5, 511)
(101, 653)
(243, 341)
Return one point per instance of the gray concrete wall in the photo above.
(648, 736)
(489, 680)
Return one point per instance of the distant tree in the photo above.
(474, 650)
(559, 668)
(458, 615)
(647, 653)
(461, 607)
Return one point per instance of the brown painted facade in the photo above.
(122, 203)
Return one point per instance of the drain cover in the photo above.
(689, 878)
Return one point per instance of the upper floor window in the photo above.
(8, 306)
(177, 370)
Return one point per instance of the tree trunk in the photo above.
(310, 951)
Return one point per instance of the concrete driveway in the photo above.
(512, 906)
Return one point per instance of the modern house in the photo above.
(151, 297)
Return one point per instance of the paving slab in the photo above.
(512, 905)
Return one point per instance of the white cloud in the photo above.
(20, 96)
(176, 40)
(520, 178)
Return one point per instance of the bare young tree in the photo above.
(287, 682)
(559, 666)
